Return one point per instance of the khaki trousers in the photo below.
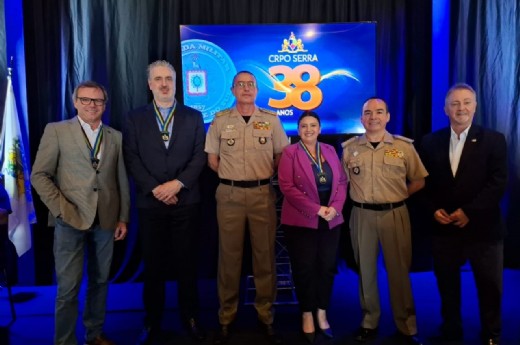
(235, 207)
(390, 229)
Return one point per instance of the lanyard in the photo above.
(94, 150)
(164, 123)
(318, 156)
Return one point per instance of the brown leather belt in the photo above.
(379, 207)
(245, 184)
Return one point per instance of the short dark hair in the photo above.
(241, 72)
(311, 114)
(90, 84)
(377, 99)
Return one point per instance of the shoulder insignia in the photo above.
(351, 140)
(223, 112)
(400, 137)
(266, 111)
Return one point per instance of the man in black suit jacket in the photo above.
(468, 176)
(164, 152)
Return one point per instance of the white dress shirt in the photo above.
(456, 146)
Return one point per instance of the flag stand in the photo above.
(11, 302)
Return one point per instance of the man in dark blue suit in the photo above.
(468, 175)
(164, 152)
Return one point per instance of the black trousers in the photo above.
(313, 255)
(168, 237)
(486, 259)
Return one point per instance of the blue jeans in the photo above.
(70, 247)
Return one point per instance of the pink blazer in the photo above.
(297, 182)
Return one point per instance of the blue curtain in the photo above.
(113, 41)
(485, 52)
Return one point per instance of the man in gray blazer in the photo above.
(80, 176)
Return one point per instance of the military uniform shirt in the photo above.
(379, 175)
(246, 150)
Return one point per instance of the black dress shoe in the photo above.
(271, 334)
(147, 336)
(410, 339)
(222, 336)
(327, 332)
(100, 340)
(451, 332)
(309, 337)
(364, 334)
(195, 330)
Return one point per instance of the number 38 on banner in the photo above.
(296, 88)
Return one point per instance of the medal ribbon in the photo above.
(318, 155)
(94, 151)
(164, 122)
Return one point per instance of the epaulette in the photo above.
(267, 111)
(400, 137)
(223, 112)
(345, 143)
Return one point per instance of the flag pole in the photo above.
(16, 173)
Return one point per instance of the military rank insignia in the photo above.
(394, 153)
(265, 125)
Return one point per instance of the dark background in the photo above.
(112, 42)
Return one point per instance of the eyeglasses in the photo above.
(88, 101)
(242, 84)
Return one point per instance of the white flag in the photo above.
(16, 176)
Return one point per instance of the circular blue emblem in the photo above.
(208, 72)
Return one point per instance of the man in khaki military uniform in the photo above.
(383, 170)
(244, 144)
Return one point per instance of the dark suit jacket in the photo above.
(63, 176)
(150, 163)
(478, 186)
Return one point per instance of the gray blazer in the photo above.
(68, 185)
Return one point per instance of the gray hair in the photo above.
(459, 86)
(90, 84)
(160, 63)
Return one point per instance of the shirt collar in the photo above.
(463, 134)
(86, 126)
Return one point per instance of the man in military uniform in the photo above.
(244, 144)
(383, 170)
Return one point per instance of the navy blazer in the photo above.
(478, 186)
(150, 163)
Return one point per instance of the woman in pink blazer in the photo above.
(313, 182)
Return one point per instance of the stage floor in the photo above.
(35, 306)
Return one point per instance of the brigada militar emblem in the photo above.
(208, 73)
(196, 79)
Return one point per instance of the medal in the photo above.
(94, 150)
(262, 140)
(165, 136)
(164, 123)
(322, 177)
(356, 170)
(231, 142)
